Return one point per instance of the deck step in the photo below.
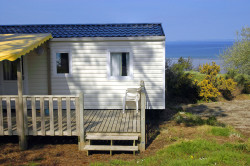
(112, 148)
(110, 137)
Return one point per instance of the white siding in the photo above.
(89, 73)
(37, 74)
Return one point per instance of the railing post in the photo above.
(143, 105)
(81, 137)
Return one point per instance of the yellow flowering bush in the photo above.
(226, 84)
(209, 69)
(213, 86)
(207, 90)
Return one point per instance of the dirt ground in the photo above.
(235, 113)
(64, 150)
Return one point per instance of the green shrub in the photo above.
(179, 84)
(243, 80)
(188, 119)
(194, 120)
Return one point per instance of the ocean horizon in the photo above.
(200, 52)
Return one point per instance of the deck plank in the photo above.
(90, 124)
(100, 120)
(105, 114)
(115, 123)
(97, 121)
(110, 120)
(106, 121)
(89, 117)
(113, 119)
(126, 126)
(113, 148)
(119, 121)
(122, 126)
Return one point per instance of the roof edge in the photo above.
(83, 24)
(140, 38)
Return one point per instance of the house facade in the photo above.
(100, 60)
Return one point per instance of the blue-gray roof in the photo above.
(87, 30)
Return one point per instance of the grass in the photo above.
(194, 152)
(219, 131)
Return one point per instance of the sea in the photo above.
(200, 52)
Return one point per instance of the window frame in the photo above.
(131, 59)
(55, 51)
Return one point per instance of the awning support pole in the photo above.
(21, 131)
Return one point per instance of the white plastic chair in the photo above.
(132, 94)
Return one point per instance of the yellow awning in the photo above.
(13, 46)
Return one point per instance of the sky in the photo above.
(182, 20)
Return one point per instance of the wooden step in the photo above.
(112, 148)
(109, 137)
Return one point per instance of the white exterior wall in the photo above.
(89, 73)
(37, 74)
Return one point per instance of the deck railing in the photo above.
(50, 108)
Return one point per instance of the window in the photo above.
(10, 70)
(120, 65)
(62, 63)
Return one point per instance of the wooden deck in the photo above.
(112, 121)
(95, 121)
(64, 115)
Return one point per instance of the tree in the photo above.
(183, 65)
(237, 57)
